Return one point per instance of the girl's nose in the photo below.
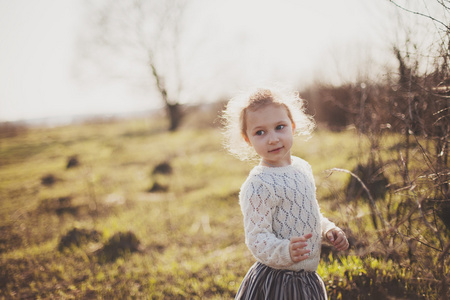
(273, 138)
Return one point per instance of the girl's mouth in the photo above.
(275, 150)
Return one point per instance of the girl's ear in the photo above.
(293, 127)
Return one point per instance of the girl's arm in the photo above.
(257, 204)
(334, 234)
(329, 230)
(326, 224)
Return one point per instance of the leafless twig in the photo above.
(421, 14)
(372, 202)
(419, 205)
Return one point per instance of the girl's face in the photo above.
(270, 132)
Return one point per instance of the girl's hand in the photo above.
(337, 237)
(297, 248)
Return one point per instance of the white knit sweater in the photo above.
(280, 203)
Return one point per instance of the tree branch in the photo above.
(421, 14)
(372, 202)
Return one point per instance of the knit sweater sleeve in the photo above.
(258, 204)
(326, 224)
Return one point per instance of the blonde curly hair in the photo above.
(235, 114)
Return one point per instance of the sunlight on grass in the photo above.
(189, 228)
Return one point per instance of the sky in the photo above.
(37, 52)
(230, 45)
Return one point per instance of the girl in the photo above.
(282, 220)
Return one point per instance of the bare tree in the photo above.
(141, 38)
(414, 101)
(419, 101)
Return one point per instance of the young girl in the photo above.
(282, 219)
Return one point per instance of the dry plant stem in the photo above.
(372, 204)
(442, 258)
(427, 159)
(419, 206)
(438, 112)
(445, 249)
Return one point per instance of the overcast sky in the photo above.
(289, 41)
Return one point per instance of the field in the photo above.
(126, 209)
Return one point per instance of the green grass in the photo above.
(191, 235)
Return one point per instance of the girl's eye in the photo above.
(259, 132)
(279, 127)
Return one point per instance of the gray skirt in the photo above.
(263, 282)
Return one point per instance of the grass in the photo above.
(191, 242)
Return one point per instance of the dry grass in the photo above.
(182, 242)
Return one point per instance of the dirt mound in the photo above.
(157, 187)
(72, 162)
(163, 168)
(49, 180)
(78, 237)
(119, 245)
(60, 206)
